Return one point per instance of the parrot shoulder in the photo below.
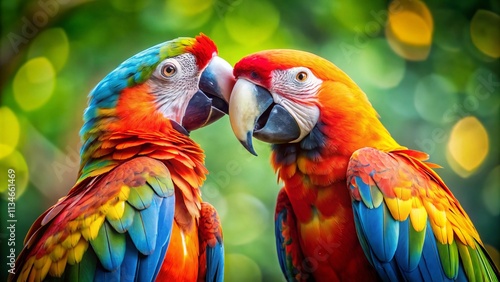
(409, 223)
(98, 231)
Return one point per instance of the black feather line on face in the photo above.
(311, 146)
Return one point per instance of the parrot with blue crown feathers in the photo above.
(136, 212)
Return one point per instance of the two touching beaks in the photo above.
(250, 105)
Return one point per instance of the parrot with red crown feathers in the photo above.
(136, 212)
(356, 205)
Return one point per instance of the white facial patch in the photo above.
(298, 95)
(174, 92)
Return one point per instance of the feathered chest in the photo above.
(314, 181)
(183, 158)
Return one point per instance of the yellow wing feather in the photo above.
(73, 230)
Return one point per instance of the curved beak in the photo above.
(252, 112)
(210, 102)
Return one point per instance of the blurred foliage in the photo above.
(431, 70)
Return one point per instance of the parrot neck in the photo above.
(323, 155)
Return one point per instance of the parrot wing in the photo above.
(287, 240)
(211, 244)
(112, 227)
(408, 222)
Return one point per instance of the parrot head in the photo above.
(181, 84)
(283, 96)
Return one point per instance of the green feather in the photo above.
(170, 49)
(164, 187)
(176, 48)
(488, 273)
(377, 196)
(141, 197)
(476, 265)
(416, 244)
(465, 256)
(449, 258)
(146, 72)
(109, 246)
(83, 271)
(94, 165)
(123, 224)
(131, 81)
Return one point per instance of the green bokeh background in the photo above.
(76, 43)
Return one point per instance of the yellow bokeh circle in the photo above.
(246, 220)
(252, 22)
(34, 83)
(468, 146)
(241, 268)
(9, 126)
(485, 32)
(15, 172)
(52, 44)
(409, 29)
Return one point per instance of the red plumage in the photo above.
(355, 203)
(203, 49)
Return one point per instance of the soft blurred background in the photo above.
(430, 68)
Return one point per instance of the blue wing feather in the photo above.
(394, 247)
(153, 261)
(215, 262)
(360, 232)
(287, 240)
(148, 233)
(369, 224)
(430, 263)
(102, 274)
(130, 263)
(382, 231)
(280, 242)
(402, 252)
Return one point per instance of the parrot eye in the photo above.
(301, 76)
(168, 70)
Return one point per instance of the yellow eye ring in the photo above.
(168, 70)
(301, 76)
